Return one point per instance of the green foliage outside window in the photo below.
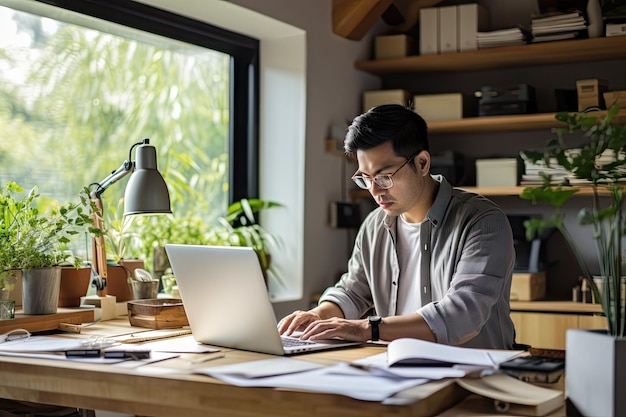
(74, 101)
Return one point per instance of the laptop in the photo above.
(227, 304)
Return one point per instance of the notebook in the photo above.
(226, 301)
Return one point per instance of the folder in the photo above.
(429, 31)
(472, 18)
(514, 397)
(448, 29)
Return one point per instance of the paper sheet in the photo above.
(359, 385)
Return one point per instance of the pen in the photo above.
(83, 353)
(127, 354)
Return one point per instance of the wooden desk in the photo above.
(169, 388)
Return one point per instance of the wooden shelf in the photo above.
(488, 192)
(555, 307)
(548, 53)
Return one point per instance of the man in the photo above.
(432, 262)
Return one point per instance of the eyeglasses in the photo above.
(384, 181)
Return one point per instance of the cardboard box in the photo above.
(619, 97)
(497, 172)
(394, 46)
(433, 107)
(378, 97)
(590, 93)
(528, 286)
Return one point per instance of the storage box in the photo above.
(590, 93)
(498, 172)
(619, 97)
(433, 107)
(394, 46)
(528, 286)
(380, 97)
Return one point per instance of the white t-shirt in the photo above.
(409, 296)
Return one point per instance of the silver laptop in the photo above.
(226, 301)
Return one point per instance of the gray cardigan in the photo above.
(466, 270)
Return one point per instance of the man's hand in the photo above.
(297, 321)
(338, 328)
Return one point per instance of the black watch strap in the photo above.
(375, 323)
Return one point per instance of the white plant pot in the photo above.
(595, 373)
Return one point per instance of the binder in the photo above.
(472, 18)
(448, 29)
(429, 31)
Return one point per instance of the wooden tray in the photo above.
(45, 322)
(158, 313)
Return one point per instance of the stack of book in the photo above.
(533, 172)
(503, 37)
(558, 26)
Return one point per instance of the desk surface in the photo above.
(169, 388)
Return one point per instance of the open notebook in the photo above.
(226, 300)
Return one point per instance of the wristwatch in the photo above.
(375, 322)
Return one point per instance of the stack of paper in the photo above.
(503, 37)
(558, 26)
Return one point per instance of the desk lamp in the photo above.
(146, 193)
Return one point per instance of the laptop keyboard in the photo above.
(292, 341)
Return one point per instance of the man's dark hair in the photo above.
(390, 122)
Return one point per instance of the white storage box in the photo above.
(433, 107)
(499, 172)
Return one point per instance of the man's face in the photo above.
(407, 195)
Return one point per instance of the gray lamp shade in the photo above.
(146, 191)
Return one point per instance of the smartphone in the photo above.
(534, 369)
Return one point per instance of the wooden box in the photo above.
(590, 93)
(158, 313)
(528, 286)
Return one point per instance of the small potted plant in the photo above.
(600, 162)
(34, 239)
(122, 244)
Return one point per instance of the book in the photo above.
(416, 352)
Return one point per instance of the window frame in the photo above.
(244, 77)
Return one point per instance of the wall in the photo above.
(301, 175)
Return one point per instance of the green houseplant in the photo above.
(239, 226)
(34, 236)
(599, 160)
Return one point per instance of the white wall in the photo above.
(309, 84)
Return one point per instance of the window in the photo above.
(82, 81)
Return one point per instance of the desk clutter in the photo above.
(458, 372)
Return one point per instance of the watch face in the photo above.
(375, 319)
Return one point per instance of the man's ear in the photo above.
(422, 162)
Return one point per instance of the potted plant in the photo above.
(34, 239)
(593, 358)
(238, 227)
(123, 244)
